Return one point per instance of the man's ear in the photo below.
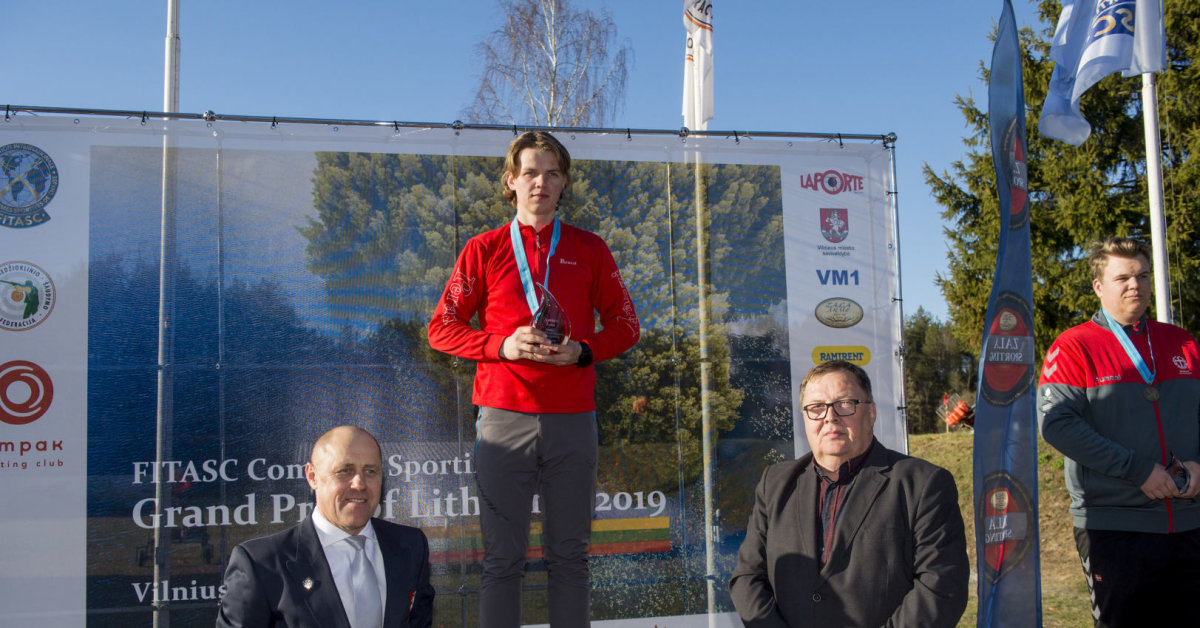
(310, 474)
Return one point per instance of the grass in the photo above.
(1065, 602)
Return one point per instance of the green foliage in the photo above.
(1078, 194)
(934, 365)
(388, 227)
(387, 230)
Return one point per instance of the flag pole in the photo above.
(1154, 185)
(165, 411)
(697, 21)
(706, 427)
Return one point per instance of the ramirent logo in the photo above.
(832, 182)
(855, 354)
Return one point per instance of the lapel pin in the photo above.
(308, 584)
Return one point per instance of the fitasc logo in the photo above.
(26, 296)
(699, 12)
(832, 182)
(25, 392)
(1007, 518)
(835, 224)
(28, 181)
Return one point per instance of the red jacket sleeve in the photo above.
(450, 329)
(620, 328)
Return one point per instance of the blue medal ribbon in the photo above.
(1147, 372)
(514, 234)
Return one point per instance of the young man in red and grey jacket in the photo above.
(1119, 396)
(536, 431)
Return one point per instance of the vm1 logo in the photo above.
(838, 277)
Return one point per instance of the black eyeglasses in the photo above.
(841, 407)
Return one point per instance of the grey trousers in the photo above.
(554, 456)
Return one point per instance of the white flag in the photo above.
(1095, 38)
(698, 66)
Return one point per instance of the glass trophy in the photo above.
(551, 318)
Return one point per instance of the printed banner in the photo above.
(1005, 463)
(301, 265)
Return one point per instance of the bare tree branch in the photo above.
(549, 65)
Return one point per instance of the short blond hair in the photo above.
(1128, 248)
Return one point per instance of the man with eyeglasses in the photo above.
(852, 534)
(1119, 396)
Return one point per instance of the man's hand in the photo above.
(530, 343)
(1160, 485)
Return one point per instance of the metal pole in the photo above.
(898, 299)
(164, 415)
(706, 428)
(171, 67)
(1154, 185)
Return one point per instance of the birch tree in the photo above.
(551, 65)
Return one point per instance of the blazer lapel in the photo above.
(802, 510)
(309, 572)
(396, 610)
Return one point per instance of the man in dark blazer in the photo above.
(305, 577)
(853, 534)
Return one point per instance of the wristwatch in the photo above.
(585, 355)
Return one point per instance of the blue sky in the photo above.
(851, 66)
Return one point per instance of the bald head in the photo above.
(340, 434)
(345, 471)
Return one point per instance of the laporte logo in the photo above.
(832, 182)
(25, 392)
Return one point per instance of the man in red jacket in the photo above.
(536, 432)
(1119, 396)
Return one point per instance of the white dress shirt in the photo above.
(339, 555)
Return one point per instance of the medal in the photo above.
(548, 315)
(1147, 372)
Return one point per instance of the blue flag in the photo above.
(1095, 38)
(1005, 463)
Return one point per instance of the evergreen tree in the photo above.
(1078, 194)
(934, 366)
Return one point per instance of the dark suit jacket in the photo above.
(899, 554)
(265, 581)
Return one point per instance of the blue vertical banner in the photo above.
(1005, 463)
